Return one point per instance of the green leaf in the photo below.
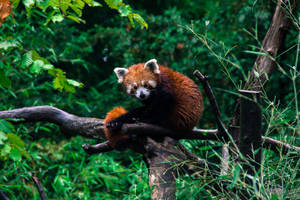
(36, 67)
(236, 175)
(15, 141)
(256, 73)
(88, 1)
(9, 44)
(75, 18)
(4, 80)
(15, 154)
(2, 137)
(6, 127)
(5, 150)
(95, 4)
(113, 4)
(124, 10)
(26, 60)
(57, 18)
(74, 83)
(64, 5)
(255, 52)
(28, 3)
(274, 197)
(140, 20)
(15, 3)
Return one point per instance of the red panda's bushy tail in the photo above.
(114, 136)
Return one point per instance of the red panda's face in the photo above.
(139, 80)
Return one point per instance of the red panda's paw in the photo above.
(114, 125)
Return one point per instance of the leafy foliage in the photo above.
(40, 49)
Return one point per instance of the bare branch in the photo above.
(97, 148)
(39, 186)
(276, 145)
(93, 127)
(213, 102)
(84, 126)
(3, 196)
(143, 129)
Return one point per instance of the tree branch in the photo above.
(71, 124)
(39, 186)
(264, 64)
(93, 127)
(211, 97)
(276, 145)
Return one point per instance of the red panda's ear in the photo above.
(120, 72)
(152, 65)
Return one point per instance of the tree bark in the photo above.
(264, 64)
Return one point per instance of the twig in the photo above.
(276, 145)
(225, 160)
(213, 102)
(97, 148)
(143, 129)
(39, 186)
(3, 196)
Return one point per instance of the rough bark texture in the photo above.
(165, 162)
(161, 157)
(71, 124)
(250, 142)
(264, 64)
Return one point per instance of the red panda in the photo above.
(170, 99)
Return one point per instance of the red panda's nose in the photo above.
(142, 95)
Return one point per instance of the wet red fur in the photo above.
(114, 137)
(188, 98)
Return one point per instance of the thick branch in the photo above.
(143, 129)
(264, 64)
(85, 126)
(93, 127)
(165, 160)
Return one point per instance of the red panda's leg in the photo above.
(116, 138)
(130, 117)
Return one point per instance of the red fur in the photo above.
(114, 137)
(188, 99)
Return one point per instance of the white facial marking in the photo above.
(120, 72)
(134, 84)
(143, 83)
(128, 89)
(152, 83)
(142, 93)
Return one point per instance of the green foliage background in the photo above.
(47, 58)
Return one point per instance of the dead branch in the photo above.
(264, 64)
(276, 145)
(211, 97)
(143, 129)
(3, 196)
(39, 186)
(97, 148)
(93, 127)
(166, 160)
(71, 124)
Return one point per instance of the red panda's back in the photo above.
(188, 99)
